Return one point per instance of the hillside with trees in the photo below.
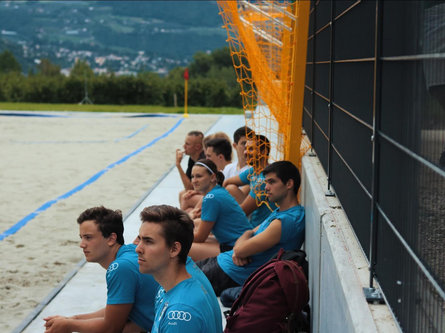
(212, 83)
(118, 36)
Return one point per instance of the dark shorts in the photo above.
(225, 248)
(217, 277)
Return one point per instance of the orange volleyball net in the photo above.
(268, 41)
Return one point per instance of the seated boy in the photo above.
(130, 294)
(183, 303)
(284, 228)
(255, 203)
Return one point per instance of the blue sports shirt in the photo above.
(292, 237)
(257, 191)
(196, 272)
(220, 207)
(187, 308)
(125, 285)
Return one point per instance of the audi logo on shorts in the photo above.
(179, 315)
(112, 267)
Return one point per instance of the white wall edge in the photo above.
(338, 269)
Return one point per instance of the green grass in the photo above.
(116, 108)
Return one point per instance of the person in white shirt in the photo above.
(239, 145)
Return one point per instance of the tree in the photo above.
(46, 68)
(81, 70)
(8, 63)
(221, 57)
(201, 64)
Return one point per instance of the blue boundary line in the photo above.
(22, 114)
(16, 227)
(132, 134)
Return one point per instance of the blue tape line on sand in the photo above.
(20, 114)
(132, 134)
(16, 227)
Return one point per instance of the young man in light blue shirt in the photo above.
(184, 305)
(284, 228)
(255, 203)
(130, 294)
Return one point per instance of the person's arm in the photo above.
(235, 180)
(98, 313)
(131, 327)
(195, 213)
(248, 245)
(204, 229)
(184, 178)
(249, 205)
(114, 319)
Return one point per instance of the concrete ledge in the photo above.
(338, 269)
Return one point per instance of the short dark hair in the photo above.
(109, 221)
(240, 132)
(221, 146)
(285, 170)
(212, 166)
(263, 143)
(176, 225)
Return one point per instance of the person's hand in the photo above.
(179, 156)
(240, 261)
(190, 193)
(56, 324)
(195, 213)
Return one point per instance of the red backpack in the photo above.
(273, 293)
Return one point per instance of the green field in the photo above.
(4, 106)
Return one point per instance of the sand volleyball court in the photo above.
(52, 168)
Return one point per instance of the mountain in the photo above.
(126, 36)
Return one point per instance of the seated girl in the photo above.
(220, 214)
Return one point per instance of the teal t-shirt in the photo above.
(125, 285)
(292, 237)
(220, 207)
(257, 191)
(196, 272)
(187, 308)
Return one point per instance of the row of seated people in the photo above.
(239, 181)
(216, 147)
(243, 180)
(154, 285)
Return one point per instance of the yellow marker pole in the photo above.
(186, 80)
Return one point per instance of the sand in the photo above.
(44, 158)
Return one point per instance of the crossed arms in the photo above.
(248, 244)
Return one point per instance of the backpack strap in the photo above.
(279, 254)
(291, 277)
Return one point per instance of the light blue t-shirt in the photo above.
(187, 308)
(292, 237)
(196, 272)
(125, 285)
(230, 221)
(257, 191)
